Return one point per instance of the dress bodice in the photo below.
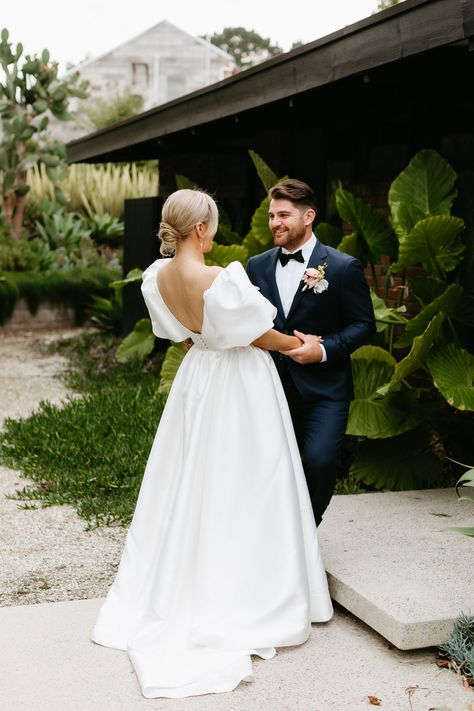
(234, 314)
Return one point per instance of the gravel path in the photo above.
(47, 555)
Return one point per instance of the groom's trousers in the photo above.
(319, 427)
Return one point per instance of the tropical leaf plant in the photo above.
(221, 254)
(417, 355)
(133, 276)
(397, 463)
(371, 227)
(373, 416)
(425, 188)
(330, 234)
(446, 303)
(391, 416)
(435, 243)
(386, 316)
(184, 183)
(138, 344)
(426, 288)
(173, 359)
(452, 369)
(265, 173)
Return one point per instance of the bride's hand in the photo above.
(309, 351)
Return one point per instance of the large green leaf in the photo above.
(375, 417)
(252, 245)
(426, 288)
(260, 232)
(434, 242)
(447, 303)
(371, 365)
(452, 369)
(398, 463)
(370, 225)
(173, 358)
(138, 344)
(259, 224)
(223, 254)
(423, 189)
(417, 355)
(465, 311)
(354, 245)
(384, 316)
(227, 236)
(183, 183)
(265, 173)
(133, 276)
(329, 234)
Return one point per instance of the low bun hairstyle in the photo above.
(182, 211)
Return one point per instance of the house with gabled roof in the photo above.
(160, 64)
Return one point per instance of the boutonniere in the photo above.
(314, 279)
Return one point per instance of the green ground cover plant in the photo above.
(91, 452)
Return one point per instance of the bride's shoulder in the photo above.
(153, 268)
(205, 276)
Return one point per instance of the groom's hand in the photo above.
(310, 350)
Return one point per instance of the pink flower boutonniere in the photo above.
(314, 279)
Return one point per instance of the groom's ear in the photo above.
(310, 216)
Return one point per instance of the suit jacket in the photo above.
(343, 315)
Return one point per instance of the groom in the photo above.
(316, 289)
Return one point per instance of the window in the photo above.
(140, 73)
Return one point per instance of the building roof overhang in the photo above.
(404, 30)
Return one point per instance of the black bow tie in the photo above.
(285, 258)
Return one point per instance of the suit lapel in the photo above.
(270, 277)
(317, 257)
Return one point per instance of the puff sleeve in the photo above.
(236, 312)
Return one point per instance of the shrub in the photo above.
(74, 288)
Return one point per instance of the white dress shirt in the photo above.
(288, 278)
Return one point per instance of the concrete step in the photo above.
(392, 565)
(47, 663)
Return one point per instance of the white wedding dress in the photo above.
(221, 560)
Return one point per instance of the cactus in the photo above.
(28, 91)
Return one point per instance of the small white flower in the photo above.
(314, 279)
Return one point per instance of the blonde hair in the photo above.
(182, 211)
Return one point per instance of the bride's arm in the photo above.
(273, 340)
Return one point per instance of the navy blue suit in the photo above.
(319, 393)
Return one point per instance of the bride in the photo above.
(221, 560)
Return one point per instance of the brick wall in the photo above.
(393, 289)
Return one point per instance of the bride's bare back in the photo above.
(182, 284)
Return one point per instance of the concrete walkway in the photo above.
(47, 662)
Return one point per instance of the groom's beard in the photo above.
(291, 238)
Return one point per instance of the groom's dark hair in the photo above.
(295, 191)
